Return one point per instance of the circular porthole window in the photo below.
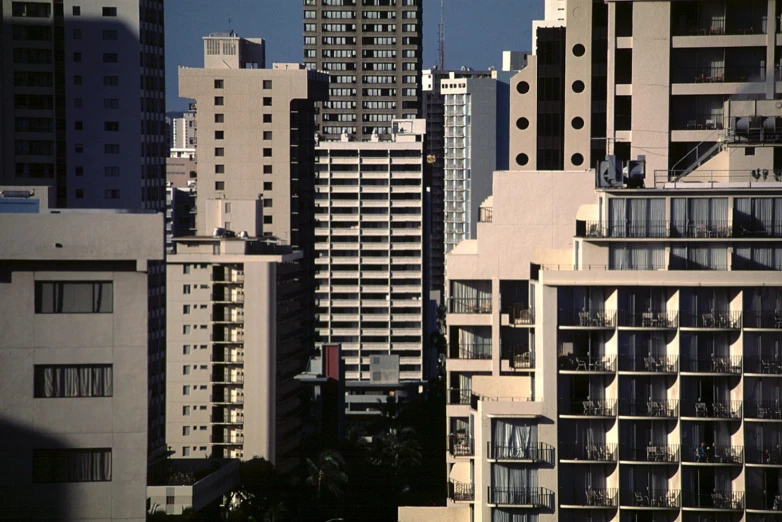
(522, 87)
(522, 123)
(577, 123)
(578, 86)
(579, 50)
(522, 159)
(577, 159)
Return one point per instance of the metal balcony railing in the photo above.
(764, 501)
(657, 498)
(461, 446)
(588, 363)
(469, 305)
(761, 455)
(520, 315)
(664, 320)
(534, 497)
(664, 408)
(700, 229)
(461, 491)
(588, 318)
(718, 320)
(746, 226)
(713, 454)
(719, 74)
(717, 499)
(729, 364)
(458, 396)
(588, 452)
(768, 320)
(479, 350)
(763, 410)
(589, 497)
(662, 453)
(711, 410)
(540, 452)
(630, 362)
(589, 407)
(519, 357)
(485, 214)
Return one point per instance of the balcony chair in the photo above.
(581, 364)
(583, 319)
(701, 410)
(718, 500)
(763, 412)
(647, 319)
(766, 366)
(707, 320)
(641, 500)
(720, 410)
(589, 407)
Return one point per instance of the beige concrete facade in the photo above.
(49, 429)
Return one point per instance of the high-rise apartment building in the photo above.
(84, 101)
(370, 281)
(372, 50)
(74, 419)
(183, 133)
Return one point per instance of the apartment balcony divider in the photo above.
(650, 363)
(658, 453)
(656, 498)
(588, 318)
(520, 496)
(713, 454)
(588, 407)
(716, 499)
(476, 305)
(458, 396)
(727, 364)
(719, 320)
(461, 446)
(767, 320)
(763, 410)
(589, 363)
(604, 498)
(519, 357)
(461, 491)
(480, 350)
(588, 452)
(764, 501)
(761, 455)
(660, 408)
(662, 320)
(540, 452)
(714, 410)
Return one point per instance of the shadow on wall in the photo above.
(20, 499)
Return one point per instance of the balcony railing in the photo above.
(657, 498)
(470, 305)
(481, 350)
(627, 228)
(540, 452)
(719, 74)
(534, 497)
(700, 229)
(665, 408)
(485, 214)
(729, 500)
(588, 452)
(764, 501)
(760, 455)
(589, 363)
(461, 446)
(650, 363)
(711, 410)
(226, 399)
(461, 491)
(668, 319)
(521, 315)
(714, 454)
(763, 410)
(728, 364)
(589, 497)
(589, 407)
(519, 357)
(588, 318)
(718, 320)
(662, 453)
(458, 396)
(698, 120)
(769, 320)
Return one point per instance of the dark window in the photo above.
(79, 193)
(267, 153)
(111, 103)
(111, 148)
(111, 194)
(72, 465)
(267, 169)
(218, 100)
(219, 84)
(267, 185)
(219, 118)
(78, 380)
(267, 135)
(77, 297)
(267, 220)
(76, 10)
(267, 84)
(267, 203)
(219, 151)
(111, 81)
(110, 58)
(219, 135)
(219, 169)
(110, 34)
(31, 9)
(219, 185)
(111, 126)
(78, 125)
(267, 118)
(77, 57)
(267, 101)
(749, 151)
(77, 34)
(109, 11)
(79, 170)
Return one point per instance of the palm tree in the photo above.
(327, 473)
(400, 449)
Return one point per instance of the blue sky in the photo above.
(477, 31)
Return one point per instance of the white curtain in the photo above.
(514, 438)
(513, 484)
(75, 381)
(505, 515)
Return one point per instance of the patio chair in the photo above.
(701, 410)
(581, 364)
(718, 500)
(766, 366)
(589, 407)
(583, 319)
(640, 500)
(763, 411)
(707, 320)
(719, 409)
(647, 319)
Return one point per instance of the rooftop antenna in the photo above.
(441, 35)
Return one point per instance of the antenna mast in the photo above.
(441, 34)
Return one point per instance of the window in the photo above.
(219, 169)
(267, 203)
(74, 297)
(219, 135)
(79, 170)
(218, 84)
(69, 381)
(267, 185)
(79, 193)
(111, 81)
(109, 11)
(185, 451)
(267, 169)
(110, 58)
(186, 289)
(219, 100)
(77, 34)
(186, 309)
(77, 57)
(267, 220)
(267, 84)
(79, 125)
(186, 389)
(77, 103)
(267, 118)
(267, 152)
(110, 103)
(219, 185)
(76, 10)
(219, 151)
(111, 172)
(185, 410)
(186, 368)
(111, 126)
(111, 148)
(219, 118)
(267, 101)
(31, 9)
(186, 331)
(185, 432)
(227, 209)
(749, 151)
(71, 465)
(186, 349)
(110, 34)
(267, 135)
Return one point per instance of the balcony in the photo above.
(652, 498)
(458, 396)
(654, 453)
(591, 363)
(596, 498)
(521, 497)
(763, 320)
(718, 500)
(764, 501)
(625, 229)
(541, 452)
(714, 454)
(485, 214)
(587, 319)
(227, 297)
(749, 227)
(474, 305)
(481, 351)
(461, 446)
(722, 364)
(760, 455)
(461, 491)
(588, 453)
(650, 364)
(226, 399)
(519, 357)
(717, 74)
(711, 320)
(713, 410)
(763, 410)
(588, 408)
(700, 229)
(521, 315)
(668, 320)
(227, 378)
(666, 408)
(228, 277)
